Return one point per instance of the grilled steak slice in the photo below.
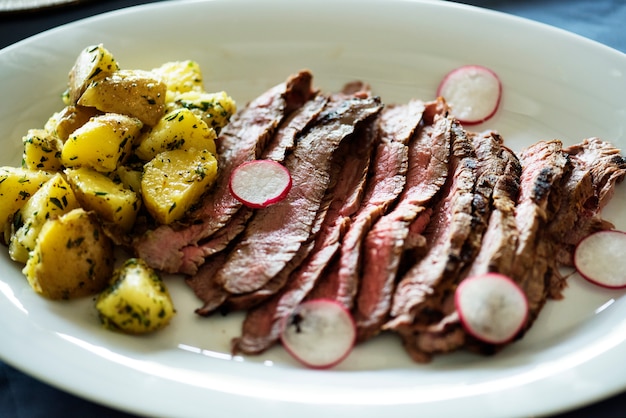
(281, 143)
(422, 289)
(262, 326)
(497, 249)
(242, 139)
(268, 242)
(543, 166)
(396, 126)
(429, 152)
(597, 167)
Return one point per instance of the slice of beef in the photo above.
(597, 166)
(497, 249)
(385, 243)
(396, 126)
(206, 288)
(281, 143)
(420, 292)
(543, 166)
(242, 139)
(329, 285)
(269, 242)
(262, 326)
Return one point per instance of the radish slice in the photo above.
(491, 307)
(260, 183)
(319, 333)
(598, 258)
(473, 93)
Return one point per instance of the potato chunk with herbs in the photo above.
(180, 129)
(93, 63)
(134, 93)
(65, 122)
(17, 185)
(111, 201)
(215, 109)
(72, 258)
(137, 300)
(173, 181)
(180, 76)
(42, 151)
(54, 198)
(102, 143)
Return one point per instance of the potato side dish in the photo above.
(126, 141)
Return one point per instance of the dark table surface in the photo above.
(600, 20)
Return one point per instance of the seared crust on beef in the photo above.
(543, 166)
(502, 172)
(422, 288)
(597, 167)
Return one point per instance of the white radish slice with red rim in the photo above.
(491, 307)
(320, 333)
(473, 93)
(599, 258)
(260, 183)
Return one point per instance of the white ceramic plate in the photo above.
(572, 356)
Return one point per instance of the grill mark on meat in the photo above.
(268, 243)
(241, 140)
(385, 243)
(396, 126)
(543, 166)
(497, 249)
(422, 287)
(282, 142)
(262, 325)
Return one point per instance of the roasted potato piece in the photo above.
(71, 118)
(42, 151)
(54, 198)
(180, 129)
(173, 181)
(17, 185)
(98, 193)
(72, 258)
(135, 93)
(215, 109)
(103, 143)
(137, 301)
(92, 64)
(130, 177)
(180, 76)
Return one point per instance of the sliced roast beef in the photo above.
(242, 139)
(396, 126)
(384, 244)
(421, 290)
(497, 249)
(269, 242)
(262, 326)
(596, 168)
(543, 166)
